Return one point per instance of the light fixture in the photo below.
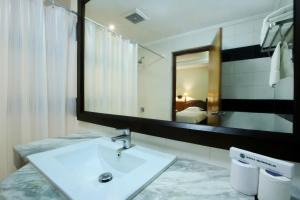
(111, 27)
(185, 96)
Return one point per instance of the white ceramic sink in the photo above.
(75, 169)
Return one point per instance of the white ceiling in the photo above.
(172, 17)
(192, 60)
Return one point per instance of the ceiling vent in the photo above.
(136, 16)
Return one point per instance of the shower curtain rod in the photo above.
(142, 46)
(52, 2)
(162, 56)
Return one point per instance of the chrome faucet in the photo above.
(125, 137)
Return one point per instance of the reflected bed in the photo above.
(191, 115)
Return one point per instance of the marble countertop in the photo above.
(185, 179)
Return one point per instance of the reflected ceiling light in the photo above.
(111, 27)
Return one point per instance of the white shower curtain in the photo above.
(110, 72)
(37, 74)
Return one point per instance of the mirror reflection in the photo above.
(178, 60)
(192, 87)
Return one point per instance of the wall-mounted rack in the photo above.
(277, 32)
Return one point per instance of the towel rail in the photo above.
(278, 32)
(275, 36)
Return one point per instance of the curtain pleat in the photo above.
(4, 13)
(37, 84)
(110, 72)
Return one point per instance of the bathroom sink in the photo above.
(76, 169)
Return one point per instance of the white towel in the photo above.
(281, 64)
(280, 14)
(275, 67)
(286, 64)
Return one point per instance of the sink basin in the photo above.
(75, 169)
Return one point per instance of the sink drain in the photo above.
(105, 177)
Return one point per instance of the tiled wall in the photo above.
(247, 79)
(285, 89)
(243, 33)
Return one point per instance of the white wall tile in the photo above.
(244, 40)
(188, 150)
(227, 92)
(263, 64)
(244, 66)
(245, 27)
(249, 80)
(261, 78)
(285, 89)
(104, 130)
(244, 79)
(229, 31)
(229, 43)
(263, 92)
(228, 67)
(180, 149)
(244, 92)
(227, 80)
(219, 157)
(148, 140)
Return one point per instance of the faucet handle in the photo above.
(126, 131)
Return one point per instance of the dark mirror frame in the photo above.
(277, 145)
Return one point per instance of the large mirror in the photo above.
(218, 63)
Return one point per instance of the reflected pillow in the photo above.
(194, 109)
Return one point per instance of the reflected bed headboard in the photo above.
(181, 105)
